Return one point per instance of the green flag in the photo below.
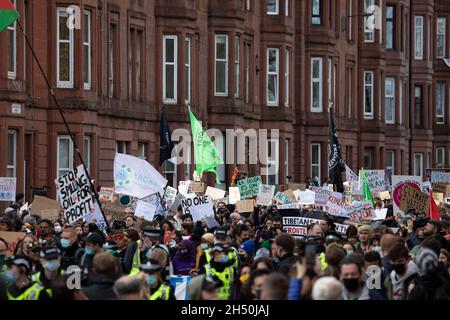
(366, 188)
(205, 152)
(8, 14)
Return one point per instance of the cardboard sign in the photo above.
(145, 210)
(281, 198)
(8, 189)
(215, 193)
(169, 196)
(398, 182)
(234, 195)
(265, 195)
(440, 187)
(296, 186)
(249, 188)
(245, 206)
(198, 207)
(115, 210)
(12, 238)
(361, 210)
(385, 195)
(376, 179)
(197, 187)
(307, 197)
(440, 177)
(106, 194)
(45, 208)
(414, 199)
(336, 207)
(74, 193)
(438, 196)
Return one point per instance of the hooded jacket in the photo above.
(183, 264)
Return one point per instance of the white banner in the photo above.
(337, 207)
(198, 207)
(306, 197)
(145, 210)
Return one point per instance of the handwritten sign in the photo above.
(288, 206)
(169, 196)
(198, 207)
(281, 198)
(307, 197)
(249, 188)
(321, 197)
(398, 182)
(234, 195)
(215, 193)
(106, 194)
(115, 210)
(245, 206)
(7, 189)
(376, 179)
(385, 195)
(296, 186)
(414, 199)
(361, 210)
(197, 187)
(336, 207)
(12, 238)
(183, 187)
(45, 208)
(265, 195)
(440, 177)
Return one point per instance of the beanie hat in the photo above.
(248, 246)
(29, 219)
(267, 244)
(426, 260)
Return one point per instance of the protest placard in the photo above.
(45, 208)
(74, 194)
(177, 202)
(440, 187)
(197, 187)
(281, 198)
(440, 177)
(291, 196)
(380, 214)
(361, 210)
(145, 210)
(376, 179)
(215, 193)
(438, 196)
(288, 206)
(244, 206)
(180, 284)
(211, 222)
(336, 207)
(398, 182)
(169, 196)
(296, 194)
(12, 238)
(8, 189)
(385, 195)
(249, 188)
(414, 199)
(106, 194)
(296, 186)
(115, 210)
(183, 187)
(198, 207)
(307, 197)
(96, 217)
(265, 195)
(233, 195)
(321, 197)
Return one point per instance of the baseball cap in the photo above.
(50, 252)
(94, 238)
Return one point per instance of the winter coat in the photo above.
(101, 288)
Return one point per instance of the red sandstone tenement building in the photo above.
(250, 64)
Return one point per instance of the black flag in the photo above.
(336, 164)
(165, 145)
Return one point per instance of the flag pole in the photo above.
(65, 123)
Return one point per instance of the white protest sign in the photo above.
(440, 177)
(198, 207)
(265, 195)
(183, 187)
(376, 180)
(211, 222)
(24, 208)
(8, 189)
(381, 214)
(288, 206)
(336, 207)
(361, 210)
(180, 283)
(96, 217)
(169, 196)
(215, 193)
(321, 197)
(307, 197)
(73, 191)
(234, 195)
(145, 210)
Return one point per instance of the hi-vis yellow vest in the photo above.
(135, 267)
(162, 293)
(227, 278)
(32, 293)
(231, 254)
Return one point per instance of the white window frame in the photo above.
(247, 72)
(277, 8)
(387, 97)
(122, 147)
(418, 35)
(442, 151)
(142, 152)
(287, 57)
(334, 84)
(12, 74)
(442, 20)
(71, 152)
(286, 8)
(418, 156)
(316, 20)
(319, 81)
(88, 43)
(173, 38)
(87, 147)
(174, 171)
(350, 96)
(274, 146)
(225, 93)
(369, 34)
(319, 157)
(187, 70)
(248, 6)
(390, 154)
(62, 12)
(286, 160)
(392, 35)
(368, 115)
(12, 166)
(440, 118)
(276, 102)
(237, 65)
(350, 21)
(400, 107)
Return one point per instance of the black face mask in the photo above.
(184, 252)
(399, 268)
(351, 284)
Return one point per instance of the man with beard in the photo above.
(283, 250)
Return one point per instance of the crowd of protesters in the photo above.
(248, 257)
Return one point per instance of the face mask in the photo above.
(205, 246)
(52, 265)
(151, 280)
(377, 249)
(89, 251)
(65, 243)
(244, 278)
(349, 252)
(224, 259)
(10, 277)
(399, 268)
(351, 284)
(184, 252)
(58, 229)
(44, 232)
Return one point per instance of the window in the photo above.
(135, 69)
(335, 99)
(272, 7)
(418, 106)
(273, 161)
(221, 65)
(247, 73)
(64, 155)
(187, 71)
(369, 33)
(368, 158)
(248, 6)
(142, 150)
(368, 95)
(286, 8)
(316, 84)
(315, 161)
(329, 79)
(418, 38)
(350, 93)
(390, 27)
(170, 53)
(286, 77)
(236, 66)
(400, 107)
(440, 37)
(122, 147)
(187, 161)
(87, 50)
(349, 20)
(440, 157)
(12, 49)
(418, 164)
(221, 147)
(440, 102)
(87, 152)
(286, 161)
(138, 64)
(170, 173)
(111, 57)
(273, 55)
(316, 12)
(64, 50)
(390, 164)
(389, 92)
(12, 153)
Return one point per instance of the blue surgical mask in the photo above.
(224, 259)
(65, 243)
(205, 246)
(88, 251)
(349, 252)
(51, 265)
(9, 277)
(151, 280)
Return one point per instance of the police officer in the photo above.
(222, 238)
(158, 289)
(51, 268)
(151, 240)
(132, 259)
(94, 245)
(21, 286)
(221, 270)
